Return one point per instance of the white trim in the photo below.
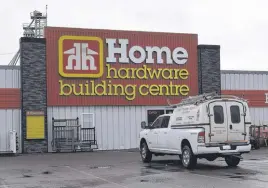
(93, 119)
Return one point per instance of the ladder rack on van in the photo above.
(202, 98)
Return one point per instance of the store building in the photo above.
(112, 80)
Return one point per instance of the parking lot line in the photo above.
(89, 174)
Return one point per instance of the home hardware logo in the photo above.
(80, 56)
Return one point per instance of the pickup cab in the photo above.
(207, 126)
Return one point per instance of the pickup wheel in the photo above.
(232, 161)
(257, 144)
(146, 155)
(188, 159)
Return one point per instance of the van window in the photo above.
(165, 122)
(235, 114)
(218, 114)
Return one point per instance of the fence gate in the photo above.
(88, 131)
(67, 135)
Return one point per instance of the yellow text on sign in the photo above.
(35, 127)
(147, 73)
(106, 88)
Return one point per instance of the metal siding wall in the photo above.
(10, 120)
(248, 80)
(259, 115)
(9, 78)
(244, 81)
(117, 127)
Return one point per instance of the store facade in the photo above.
(110, 80)
(129, 75)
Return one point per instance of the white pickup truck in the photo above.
(207, 126)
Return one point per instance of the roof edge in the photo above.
(9, 67)
(243, 72)
(120, 30)
(17, 67)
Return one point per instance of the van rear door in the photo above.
(236, 121)
(218, 121)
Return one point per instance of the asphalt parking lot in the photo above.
(125, 169)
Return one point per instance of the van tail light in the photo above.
(201, 137)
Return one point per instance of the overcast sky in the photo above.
(240, 27)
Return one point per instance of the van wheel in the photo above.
(146, 155)
(232, 161)
(188, 159)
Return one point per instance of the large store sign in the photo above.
(83, 57)
(104, 67)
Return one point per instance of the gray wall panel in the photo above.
(259, 115)
(9, 76)
(117, 127)
(33, 87)
(209, 78)
(231, 80)
(10, 121)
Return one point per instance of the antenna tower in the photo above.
(34, 29)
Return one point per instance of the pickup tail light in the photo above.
(201, 137)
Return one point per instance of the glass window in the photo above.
(235, 114)
(153, 114)
(169, 111)
(165, 122)
(218, 114)
(157, 123)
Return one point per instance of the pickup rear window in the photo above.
(218, 114)
(235, 114)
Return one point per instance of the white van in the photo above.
(206, 126)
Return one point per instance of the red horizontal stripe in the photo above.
(10, 98)
(256, 98)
